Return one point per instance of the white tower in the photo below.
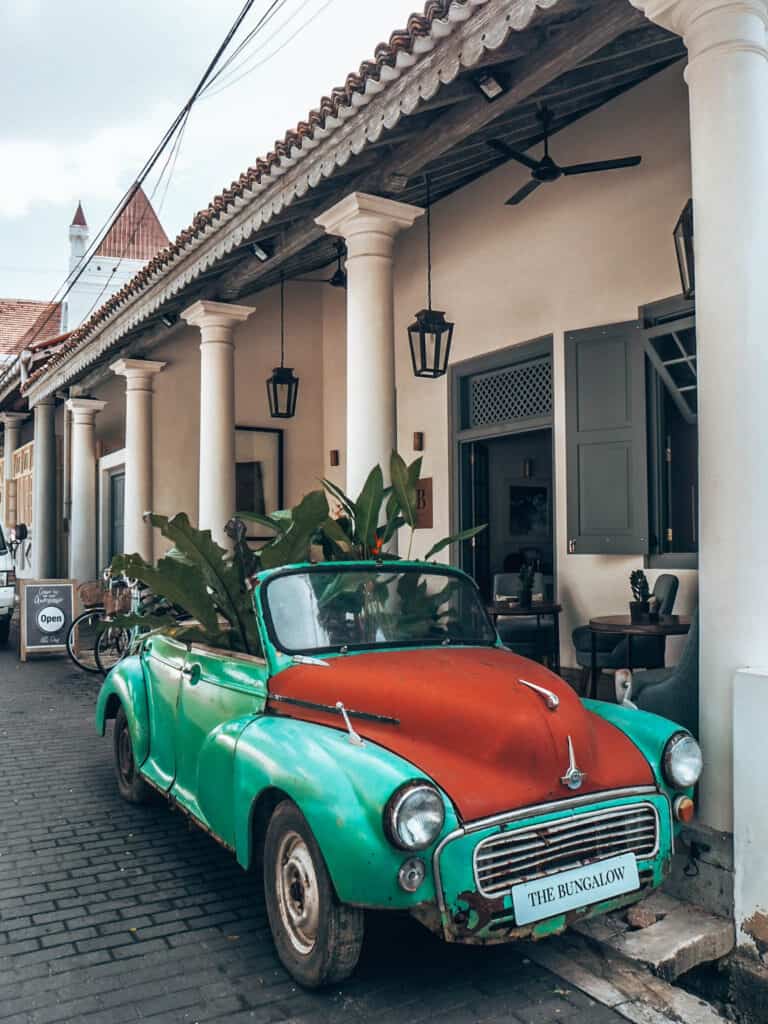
(78, 237)
(131, 241)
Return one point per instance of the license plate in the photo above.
(578, 887)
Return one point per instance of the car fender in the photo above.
(126, 685)
(341, 789)
(650, 733)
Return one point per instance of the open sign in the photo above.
(47, 610)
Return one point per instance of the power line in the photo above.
(74, 275)
(259, 64)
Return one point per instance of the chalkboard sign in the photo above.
(47, 610)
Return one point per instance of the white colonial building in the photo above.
(591, 412)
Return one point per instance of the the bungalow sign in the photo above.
(47, 610)
(570, 890)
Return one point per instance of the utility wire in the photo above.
(74, 275)
(260, 64)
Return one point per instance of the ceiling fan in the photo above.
(338, 278)
(546, 169)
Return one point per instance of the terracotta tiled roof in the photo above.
(79, 218)
(137, 234)
(22, 318)
(403, 49)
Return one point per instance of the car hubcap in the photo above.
(125, 755)
(297, 894)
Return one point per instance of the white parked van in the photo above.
(7, 589)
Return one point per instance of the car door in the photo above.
(221, 692)
(163, 660)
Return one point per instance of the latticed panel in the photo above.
(519, 392)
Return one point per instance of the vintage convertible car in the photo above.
(387, 751)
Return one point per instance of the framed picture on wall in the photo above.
(529, 512)
(258, 473)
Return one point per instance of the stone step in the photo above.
(674, 936)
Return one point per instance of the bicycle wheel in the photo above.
(82, 637)
(112, 645)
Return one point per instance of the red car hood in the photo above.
(466, 721)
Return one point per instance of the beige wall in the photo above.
(581, 252)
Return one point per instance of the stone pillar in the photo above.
(216, 486)
(139, 375)
(44, 518)
(369, 225)
(82, 530)
(727, 78)
(12, 427)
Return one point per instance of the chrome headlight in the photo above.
(682, 761)
(414, 816)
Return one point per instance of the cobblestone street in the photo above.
(113, 913)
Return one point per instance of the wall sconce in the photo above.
(261, 252)
(169, 319)
(527, 469)
(334, 457)
(418, 441)
(683, 235)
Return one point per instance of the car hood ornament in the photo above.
(574, 776)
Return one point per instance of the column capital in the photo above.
(138, 373)
(205, 314)
(84, 409)
(708, 25)
(360, 214)
(13, 419)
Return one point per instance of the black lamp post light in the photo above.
(683, 235)
(283, 385)
(430, 335)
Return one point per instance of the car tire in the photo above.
(317, 938)
(130, 784)
(5, 629)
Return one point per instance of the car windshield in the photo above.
(326, 609)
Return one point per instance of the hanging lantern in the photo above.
(430, 334)
(683, 235)
(283, 385)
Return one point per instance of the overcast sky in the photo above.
(87, 89)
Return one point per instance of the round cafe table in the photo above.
(539, 610)
(622, 625)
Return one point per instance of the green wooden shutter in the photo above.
(607, 473)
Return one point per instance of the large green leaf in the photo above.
(293, 546)
(455, 539)
(219, 574)
(368, 507)
(404, 488)
(343, 499)
(278, 524)
(177, 580)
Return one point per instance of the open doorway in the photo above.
(507, 482)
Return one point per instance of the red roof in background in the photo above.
(137, 234)
(79, 218)
(22, 320)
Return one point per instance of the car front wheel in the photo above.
(317, 938)
(130, 784)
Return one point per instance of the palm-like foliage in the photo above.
(213, 585)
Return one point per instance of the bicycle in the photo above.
(94, 642)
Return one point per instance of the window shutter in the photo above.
(606, 440)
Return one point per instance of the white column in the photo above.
(44, 518)
(727, 77)
(369, 225)
(139, 375)
(217, 322)
(12, 428)
(82, 528)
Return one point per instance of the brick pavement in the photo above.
(112, 913)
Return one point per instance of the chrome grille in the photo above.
(519, 855)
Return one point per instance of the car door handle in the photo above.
(191, 673)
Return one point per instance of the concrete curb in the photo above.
(629, 990)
